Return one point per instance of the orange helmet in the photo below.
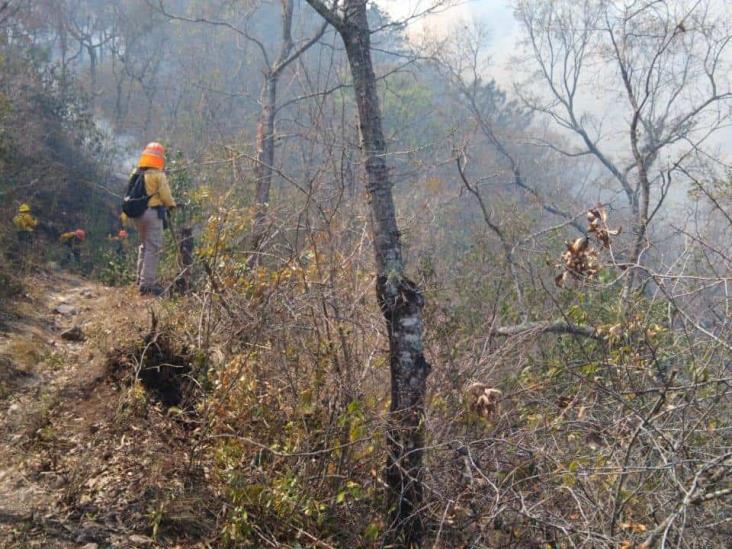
(153, 156)
(80, 234)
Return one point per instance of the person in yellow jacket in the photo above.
(25, 225)
(73, 240)
(25, 222)
(150, 224)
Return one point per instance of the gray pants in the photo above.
(150, 227)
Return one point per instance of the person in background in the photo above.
(73, 240)
(150, 224)
(25, 225)
(119, 241)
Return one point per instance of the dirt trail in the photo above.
(84, 460)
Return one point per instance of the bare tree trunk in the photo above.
(400, 299)
(641, 198)
(185, 248)
(118, 101)
(264, 159)
(263, 169)
(642, 220)
(64, 46)
(91, 50)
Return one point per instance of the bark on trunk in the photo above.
(400, 299)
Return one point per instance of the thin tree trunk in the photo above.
(92, 76)
(400, 299)
(63, 39)
(641, 203)
(264, 167)
(185, 248)
(118, 102)
(264, 160)
(640, 199)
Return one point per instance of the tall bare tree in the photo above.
(663, 64)
(288, 51)
(266, 141)
(400, 299)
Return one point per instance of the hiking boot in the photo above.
(156, 290)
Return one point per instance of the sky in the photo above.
(504, 35)
(499, 10)
(497, 15)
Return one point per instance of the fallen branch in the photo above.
(547, 326)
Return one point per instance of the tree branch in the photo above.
(547, 326)
(326, 13)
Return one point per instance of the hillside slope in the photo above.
(86, 457)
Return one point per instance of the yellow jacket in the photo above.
(157, 188)
(25, 222)
(67, 237)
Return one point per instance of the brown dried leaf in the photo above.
(484, 400)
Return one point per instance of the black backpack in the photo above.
(135, 202)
